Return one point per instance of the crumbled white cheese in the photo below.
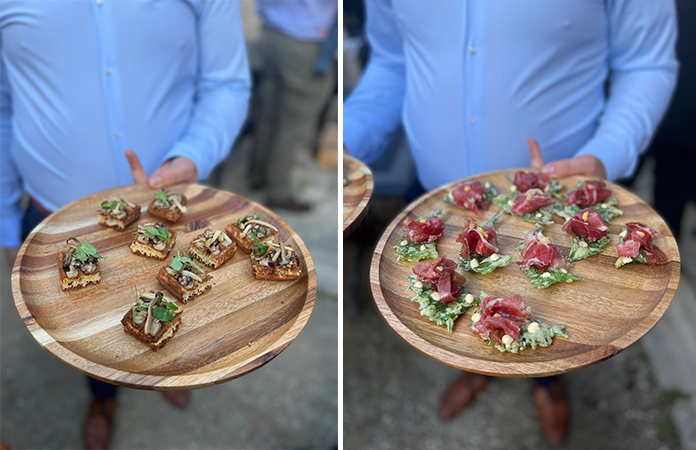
(513, 188)
(422, 247)
(564, 271)
(469, 298)
(546, 275)
(418, 284)
(435, 296)
(623, 233)
(507, 339)
(509, 202)
(476, 317)
(537, 215)
(474, 263)
(494, 257)
(533, 327)
(488, 185)
(582, 243)
(404, 243)
(605, 205)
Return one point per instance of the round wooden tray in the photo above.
(356, 194)
(603, 314)
(237, 326)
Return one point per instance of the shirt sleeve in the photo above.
(223, 85)
(373, 111)
(643, 74)
(10, 181)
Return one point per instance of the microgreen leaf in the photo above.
(84, 250)
(162, 195)
(259, 249)
(108, 205)
(160, 232)
(170, 306)
(162, 314)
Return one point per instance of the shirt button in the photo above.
(472, 120)
(473, 50)
(117, 134)
(108, 70)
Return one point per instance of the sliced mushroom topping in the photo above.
(192, 275)
(170, 271)
(143, 239)
(261, 222)
(213, 239)
(150, 318)
(155, 326)
(160, 245)
(89, 267)
(71, 272)
(139, 316)
(176, 199)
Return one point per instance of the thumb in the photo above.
(175, 171)
(535, 152)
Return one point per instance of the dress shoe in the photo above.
(98, 424)
(180, 399)
(461, 393)
(289, 204)
(553, 409)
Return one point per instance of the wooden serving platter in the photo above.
(232, 329)
(356, 194)
(604, 313)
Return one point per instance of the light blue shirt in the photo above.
(472, 80)
(83, 81)
(305, 20)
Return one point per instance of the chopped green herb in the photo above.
(579, 251)
(259, 249)
(543, 215)
(483, 266)
(164, 314)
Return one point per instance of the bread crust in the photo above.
(171, 215)
(148, 250)
(245, 243)
(119, 224)
(276, 273)
(180, 292)
(82, 280)
(157, 341)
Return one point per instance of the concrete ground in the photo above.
(643, 398)
(289, 403)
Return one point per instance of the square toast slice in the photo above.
(213, 248)
(141, 323)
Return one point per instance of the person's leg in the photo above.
(553, 408)
(674, 183)
(266, 117)
(302, 96)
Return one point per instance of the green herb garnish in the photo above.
(178, 262)
(162, 195)
(579, 251)
(259, 249)
(85, 250)
(164, 314)
(485, 265)
(160, 232)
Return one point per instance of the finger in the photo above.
(582, 165)
(178, 170)
(139, 175)
(535, 152)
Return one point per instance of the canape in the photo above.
(79, 266)
(118, 213)
(249, 227)
(212, 248)
(275, 261)
(184, 278)
(153, 240)
(167, 205)
(153, 319)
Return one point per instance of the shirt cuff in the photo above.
(356, 139)
(204, 163)
(11, 230)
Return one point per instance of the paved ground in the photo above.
(289, 403)
(644, 398)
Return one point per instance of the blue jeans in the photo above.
(32, 217)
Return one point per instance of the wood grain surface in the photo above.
(604, 313)
(356, 194)
(234, 328)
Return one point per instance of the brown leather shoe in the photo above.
(461, 393)
(553, 409)
(180, 399)
(97, 428)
